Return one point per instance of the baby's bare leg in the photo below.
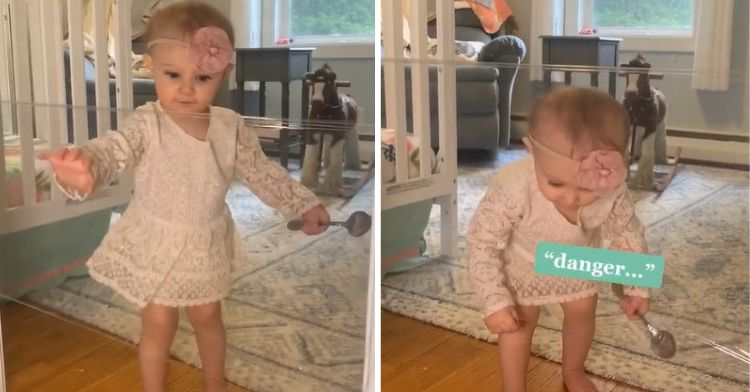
(211, 339)
(158, 326)
(515, 348)
(578, 332)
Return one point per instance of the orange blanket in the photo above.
(491, 13)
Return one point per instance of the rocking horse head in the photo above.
(637, 82)
(646, 105)
(324, 88)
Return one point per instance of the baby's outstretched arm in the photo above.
(79, 171)
(273, 185)
(623, 231)
(488, 235)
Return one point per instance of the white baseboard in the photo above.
(710, 150)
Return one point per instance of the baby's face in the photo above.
(180, 86)
(557, 177)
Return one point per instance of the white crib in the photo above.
(33, 107)
(439, 187)
(32, 90)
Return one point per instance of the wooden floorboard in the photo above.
(46, 353)
(421, 357)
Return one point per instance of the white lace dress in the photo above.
(513, 217)
(176, 244)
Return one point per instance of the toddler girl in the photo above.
(176, 245)
(569, 190)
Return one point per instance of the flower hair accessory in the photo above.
(209, 48)
(600, 171)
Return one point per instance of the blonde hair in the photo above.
(185, 18)
(587, 115)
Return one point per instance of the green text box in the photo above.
(580, 262)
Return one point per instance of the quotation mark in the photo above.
(650, 267)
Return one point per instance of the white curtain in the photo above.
(713, 44)
(547, 18)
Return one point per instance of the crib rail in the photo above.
(36, 115)
(439, 186)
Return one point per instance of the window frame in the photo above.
(579, 13)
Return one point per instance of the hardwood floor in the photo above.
(420, 357)
(44, 353)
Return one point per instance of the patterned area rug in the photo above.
(296, 316)
(700, 226)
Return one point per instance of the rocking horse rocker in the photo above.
(647, 108)
(331, 125)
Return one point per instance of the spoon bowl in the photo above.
(358, 224)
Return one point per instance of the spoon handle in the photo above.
(297, 224)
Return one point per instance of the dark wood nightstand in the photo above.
(281, 65)
(581, 50)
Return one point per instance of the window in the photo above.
(332, 18)
(330, 21)
(642, 17)
(643, 24)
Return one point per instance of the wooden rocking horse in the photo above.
(333, 115)
(647, 108)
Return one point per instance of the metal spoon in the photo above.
(358, 224)
(662, 342)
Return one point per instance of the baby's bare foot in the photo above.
(578, 381)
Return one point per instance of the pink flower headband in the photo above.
(600, 171)
(209, 48)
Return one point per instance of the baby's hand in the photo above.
(72, 168)
(634, 306)
(504, 320)
(316, 220)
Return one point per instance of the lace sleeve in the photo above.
(623, 231)
(268, 180)
(112, 152)
(488, 235)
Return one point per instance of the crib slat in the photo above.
(36, 47)
(6, 68)
(77, 78)
(101, 62)
(54, 74)
(420, 85)
(123, 83)
(3, 181)
(24, 112)
(52, 37)
(5, 120)
(447, 81)
(123, 59)
(447, 126)
(393, 69)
